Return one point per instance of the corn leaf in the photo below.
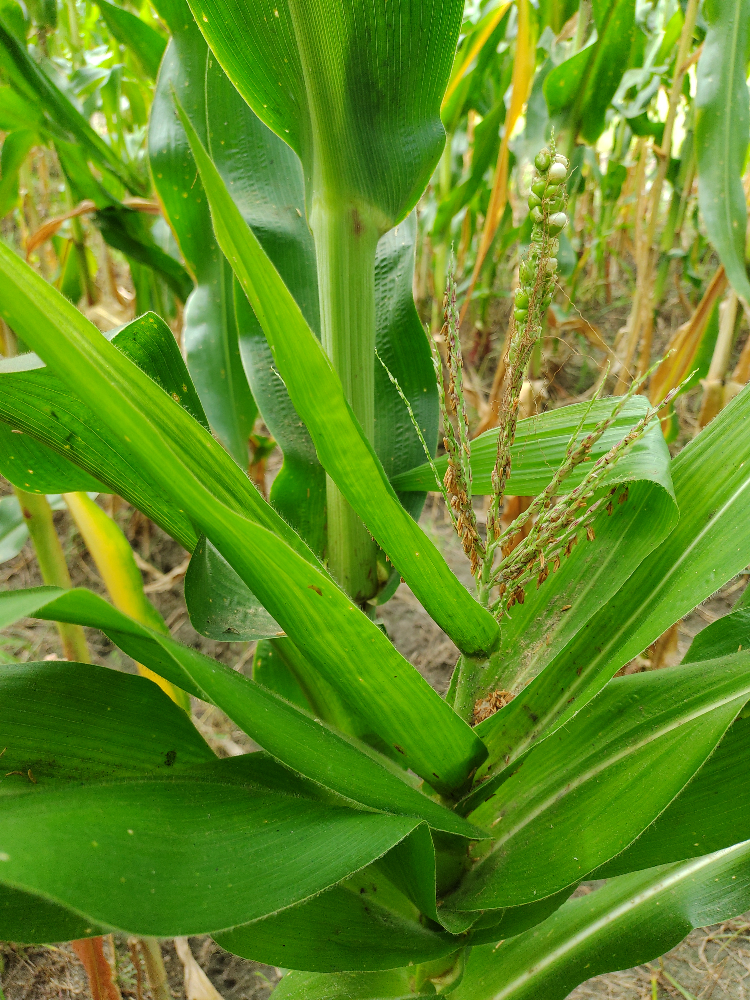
(181, 871)
(292, 736)
(629, 921)
(709, 814)
(722, 130)
(639, 742)
(363, 924)
(145, 42)
(355, 92)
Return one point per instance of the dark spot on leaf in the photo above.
(311, 586)
(170, 757)
(400, 749)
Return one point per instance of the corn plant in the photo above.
(385, 842)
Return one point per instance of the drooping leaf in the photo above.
(58, 428)
(722, 131)
(77, 722)
(292, 736)
(629, 921)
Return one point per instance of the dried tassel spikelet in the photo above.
(609, 508)
(542, 577)
(623, 496)
(556, 564)
(590, 533)
(571, 542)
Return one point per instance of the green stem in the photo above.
(156, 972)
(345, 242)
(49, 552)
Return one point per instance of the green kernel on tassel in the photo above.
(542, 160)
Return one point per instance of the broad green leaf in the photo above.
(354, 90)
(77, 722)
(292, 736)
(146, 44)
(709, 545)
(210, 332)
(36, 86)
(220, 605)
(711, 813)
(120, 394)
(722, 130)
(394, 985)
(560, 813)
(168, 857)
(629, 921)
(29, 919)
(363, 924)
(339, 440)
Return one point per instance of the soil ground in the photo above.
(711, 964)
